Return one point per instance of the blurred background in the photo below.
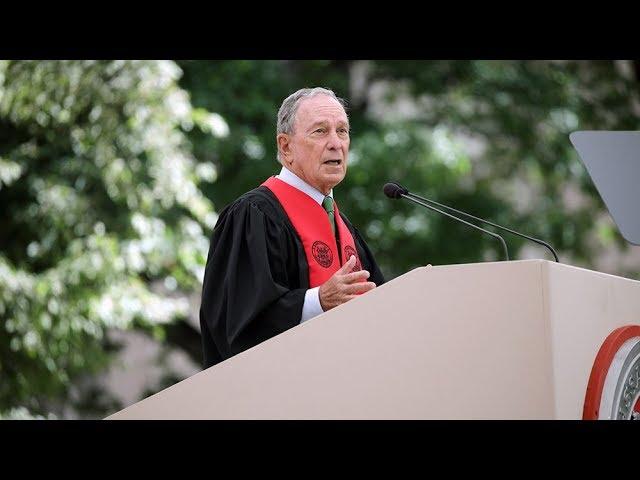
(112, 174)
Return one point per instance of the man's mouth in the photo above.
(333, 162)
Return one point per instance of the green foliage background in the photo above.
(111, 174)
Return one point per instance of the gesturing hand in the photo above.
(343, 286)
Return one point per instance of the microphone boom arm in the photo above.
(536, 240)
(504, 245)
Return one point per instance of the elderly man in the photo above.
(283, 252)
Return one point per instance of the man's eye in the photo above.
(320, 130)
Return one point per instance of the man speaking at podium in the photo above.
(283, 252)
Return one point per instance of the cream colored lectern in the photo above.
(503, 340)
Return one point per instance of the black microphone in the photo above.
(394, 190)
(451, 209)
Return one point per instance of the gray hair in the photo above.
(289, 108)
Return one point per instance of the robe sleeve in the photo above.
(247, 294)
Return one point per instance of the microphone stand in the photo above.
(538, 241)
(504, 245)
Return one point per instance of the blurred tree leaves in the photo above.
(100, 198)
(521, 113)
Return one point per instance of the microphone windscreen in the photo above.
(393, 190)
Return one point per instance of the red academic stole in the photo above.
(312, 225)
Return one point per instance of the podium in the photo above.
(500, 340)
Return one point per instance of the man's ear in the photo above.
(284, 146)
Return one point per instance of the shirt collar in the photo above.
(287, 176)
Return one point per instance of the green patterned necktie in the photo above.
(327, 204)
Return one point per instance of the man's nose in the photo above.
(334, 142)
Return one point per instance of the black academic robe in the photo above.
(257, 275)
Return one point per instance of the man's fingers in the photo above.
(358, 276)
(347, 267)
(356, 288)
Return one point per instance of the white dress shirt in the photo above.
(311, 306)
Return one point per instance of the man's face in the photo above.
(317, 151)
